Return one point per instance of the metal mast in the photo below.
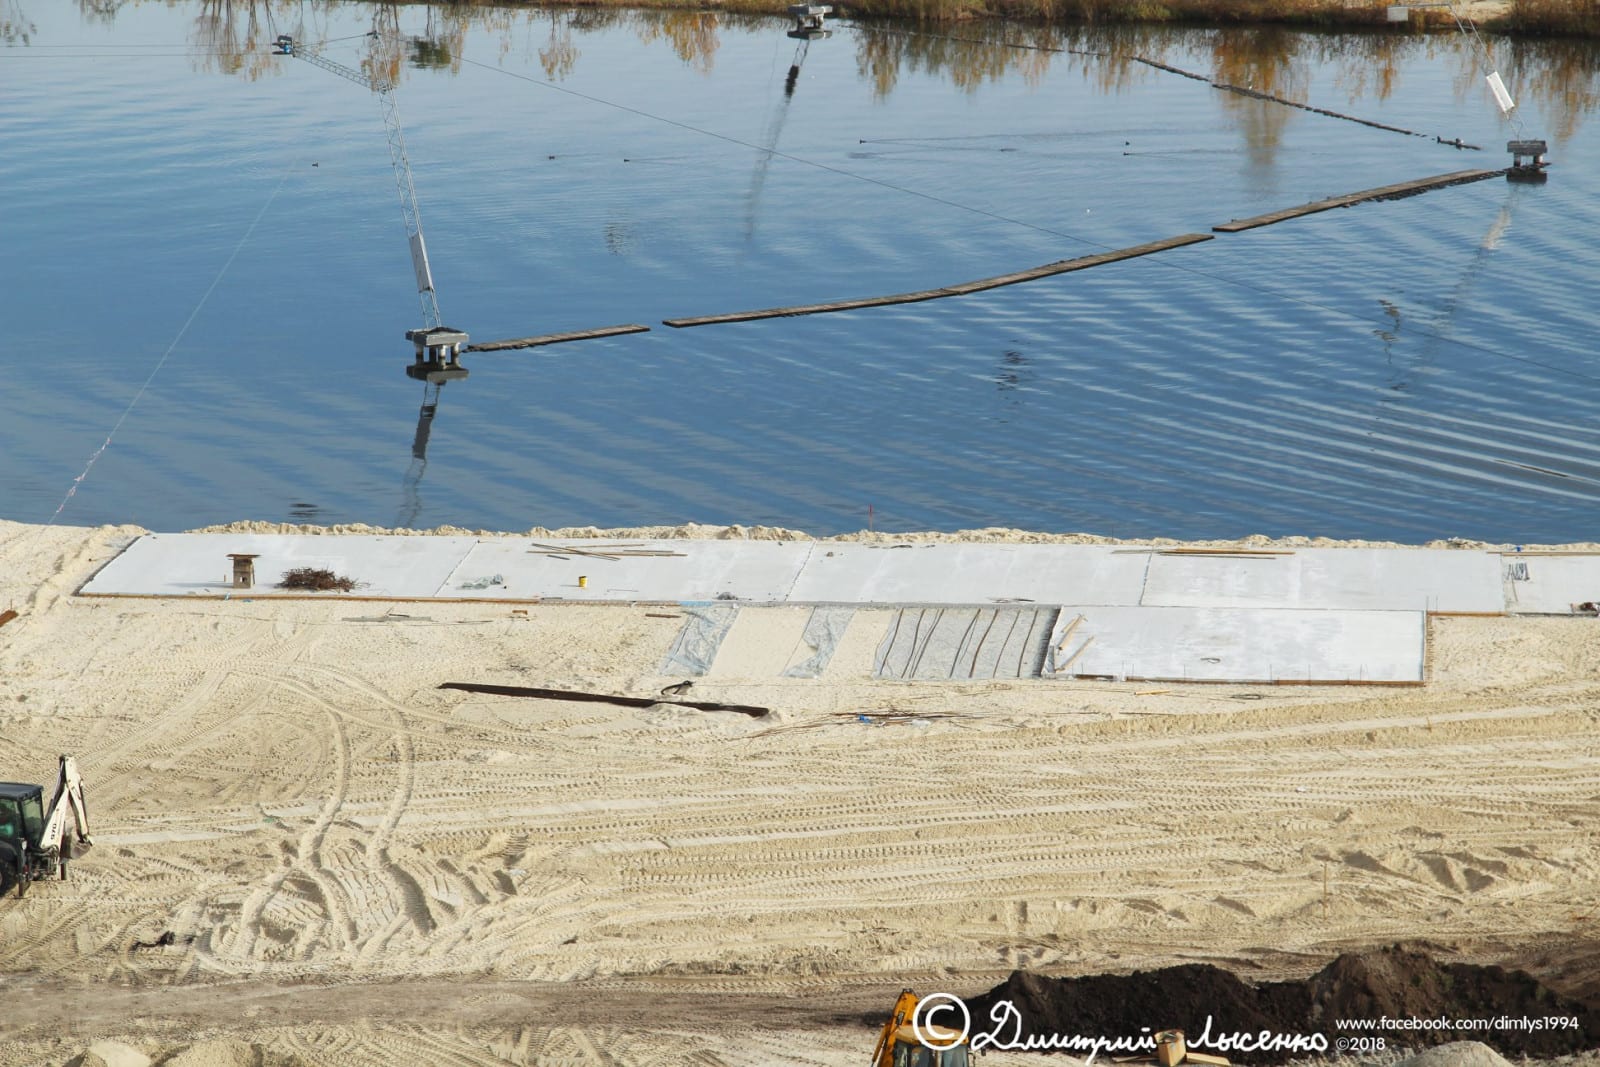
(402, 168)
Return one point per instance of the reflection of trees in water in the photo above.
(1559, 76)
(1562, 75)
(94, 11)
(1267, 60)
(987, 52)
(14, 24)
(1368, 65)
(692, 34)
(559, 55)
(233, 38)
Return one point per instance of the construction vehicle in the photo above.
(33, 838)
(901, 1045)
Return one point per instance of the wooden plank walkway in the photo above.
(1060, 267)
(1384, 192)
(555, 338)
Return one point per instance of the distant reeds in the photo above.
(1565, 18)
(1214, 12)
(1532, 17)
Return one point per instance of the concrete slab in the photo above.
(1537, 584)
(409, 568)
(841, 573)
(753, 572)
(1253, 645)
(423, 568)
(1382, 579)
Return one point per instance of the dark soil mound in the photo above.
(1393, 983)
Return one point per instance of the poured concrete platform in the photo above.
(758, 572)
(974, 609)
(461, 568)
(1252, 645)
(1550, 584)
(979, 573)
(1438, 581)
(848, 573)
(411, 568)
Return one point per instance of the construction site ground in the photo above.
(358, 867)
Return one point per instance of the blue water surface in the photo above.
(212, 235)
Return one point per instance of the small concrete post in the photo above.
(244, 569)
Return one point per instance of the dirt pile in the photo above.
(1357, 996)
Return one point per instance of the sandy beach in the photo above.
(359, 867)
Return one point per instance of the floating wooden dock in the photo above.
(555, 338)
(1384, 192)
(1060, 267)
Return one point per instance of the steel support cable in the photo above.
(1470, 29)
(162, 362)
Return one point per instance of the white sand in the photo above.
(377, 871)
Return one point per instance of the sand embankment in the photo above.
(374, 870)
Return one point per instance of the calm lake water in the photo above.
(1414, 369)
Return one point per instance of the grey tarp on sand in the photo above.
(704, 627)
(823, 631)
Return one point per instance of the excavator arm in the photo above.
(68, 798)
(34, 840)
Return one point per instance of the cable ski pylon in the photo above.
(438, 347)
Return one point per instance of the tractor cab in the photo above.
(908, 1051)
(21, 814)
(33, 839)
(900, 1044)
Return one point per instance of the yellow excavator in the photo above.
(33, 838)
(899, 1044)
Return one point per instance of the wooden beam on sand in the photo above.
(602, 698)
(1398, 191)
(555, 338)
(1060, 267)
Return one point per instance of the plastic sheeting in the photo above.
(824, 629)
(695, 647)
(940, 643)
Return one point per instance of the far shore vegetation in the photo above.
(1579, 18)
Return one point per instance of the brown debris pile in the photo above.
(314, 578)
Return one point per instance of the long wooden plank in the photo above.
(960, 289)
(751, 710)
(1383, 192)
(555, 338)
